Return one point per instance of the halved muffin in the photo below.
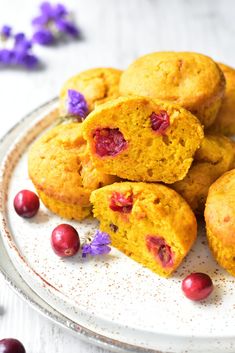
(150, 223)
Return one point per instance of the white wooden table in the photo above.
(115, 32)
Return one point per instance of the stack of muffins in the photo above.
(145, 156)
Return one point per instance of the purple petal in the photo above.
(99, 250)
(25, 59)
(22, 46)
(59, 11)
(101, 238)
(77, 104)
(6, 31)
(22, 43)
(19, 37)
(86, 249)
(46, 8)
(46, 14)
(40, 20)
(29, 61)
(6, 56)
(67, 27)
(43, 37)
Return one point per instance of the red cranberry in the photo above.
(26, 203)
(197, 286)
(109, 142)
(65, 240)
(160, 121)
(160, 249)
(11, 345)
(120, 203)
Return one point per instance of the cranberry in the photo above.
(120, 203)
(160, 121)
(11, 345)
(160, 249)
(109, 142)
(26, 203)
(197, 286)
(65, 240)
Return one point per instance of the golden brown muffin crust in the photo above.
(98, 85)
(191, 80)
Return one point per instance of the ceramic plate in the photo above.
(110, 299)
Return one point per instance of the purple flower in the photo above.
(45, 16)
(59, 11)
(5, 32)
(20, 53)
(48, 13)
(6, 56)
(53, 19)
(43, 36)
(98, 246)
(29, 61)
(22, 44)
(67, 27)
(77, 104)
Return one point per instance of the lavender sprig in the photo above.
(97, 246)
(76, 104)
(52, 24)
(16, 49)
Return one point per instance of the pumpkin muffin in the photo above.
(220, 220)
(191, 80)
(141, 139)
(150, 223)
(225, 120)
(211, 160)
(62, 172)
(97, 85)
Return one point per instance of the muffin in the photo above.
(150, 223)
(97, 85)
(60, 168)
(191, 80)
(225, 120)
(211, 160)
(220, 220)
(141, 139)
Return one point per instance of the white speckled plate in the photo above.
(111, 299)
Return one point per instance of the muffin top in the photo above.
(98, 85)
(187, 78)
